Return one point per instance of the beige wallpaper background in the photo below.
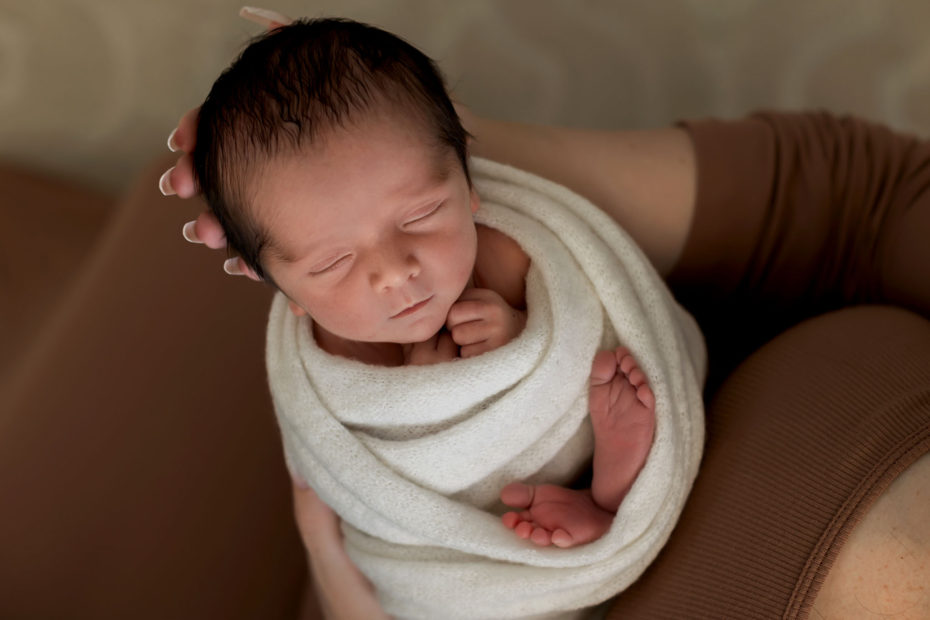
(91, 88)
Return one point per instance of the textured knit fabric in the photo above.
(413, 458)
(797, 214)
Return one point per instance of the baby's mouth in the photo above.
(411, 309)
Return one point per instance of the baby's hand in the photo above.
(481, 320)
(439, 348)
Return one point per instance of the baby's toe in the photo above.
(510, 519)
(561, 538)
(645, 396)
(541, 537)
(603, 368)
(517, 495)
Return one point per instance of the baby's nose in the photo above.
(393, 268)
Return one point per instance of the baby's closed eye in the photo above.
(423, 214)
(330, 264)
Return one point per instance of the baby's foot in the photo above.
(623, 416)
(554, 515)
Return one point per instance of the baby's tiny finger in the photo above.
(445, 345)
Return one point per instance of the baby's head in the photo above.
(336, 164)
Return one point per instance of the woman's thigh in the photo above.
(803, 439)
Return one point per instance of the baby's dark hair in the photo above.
(294, 83)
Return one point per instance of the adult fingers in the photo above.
(184, 137)
(264, 17)
(205, 229)
(317, 523)
(179, 179)
(235, 266)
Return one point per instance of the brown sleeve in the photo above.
(798, 214)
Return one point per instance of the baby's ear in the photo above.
(295, 309)
(474, 200)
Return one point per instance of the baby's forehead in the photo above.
(435, 168)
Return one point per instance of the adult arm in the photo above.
(341, 589)
(645, 180)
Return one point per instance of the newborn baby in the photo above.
(333, 157)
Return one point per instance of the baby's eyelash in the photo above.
(425, 215)
(329, 266)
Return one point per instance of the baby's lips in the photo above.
(264, 17)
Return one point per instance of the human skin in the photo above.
(646, 181)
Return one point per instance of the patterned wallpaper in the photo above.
(91, 88)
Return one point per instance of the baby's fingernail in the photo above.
(264, 17)
(189, 232)
(172, 145)
(164, 183)
(231, 266)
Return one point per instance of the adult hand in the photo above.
(343, 592)
(179, 180)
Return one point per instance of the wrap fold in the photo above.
(413, 458)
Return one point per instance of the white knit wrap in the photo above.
(413, 458)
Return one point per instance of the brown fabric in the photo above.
(800, 214)
(49, 226)
(797, 214)
(140, 464)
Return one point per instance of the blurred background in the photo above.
(91, 88)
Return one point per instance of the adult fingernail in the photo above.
(231, 266)
(299, 482)
(172, 145)
(189, 232)
(164, 183)
(264, 17)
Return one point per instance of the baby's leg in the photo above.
(623, 416)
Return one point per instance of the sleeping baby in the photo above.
(410, 353)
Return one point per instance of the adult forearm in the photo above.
(342, 591)
(645, 180)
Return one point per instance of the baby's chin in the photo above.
(420, 335)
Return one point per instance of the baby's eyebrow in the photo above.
(277, 252)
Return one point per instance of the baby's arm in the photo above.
(481, 320)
